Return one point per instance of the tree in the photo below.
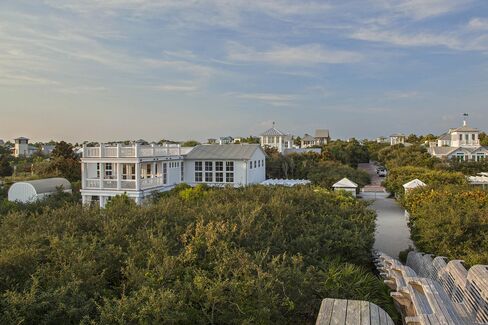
(64, 150)
(5, 167)
(190, 143)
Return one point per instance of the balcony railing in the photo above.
(133, 151)
(110, 184)
(152, 182)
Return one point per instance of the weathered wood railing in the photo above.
(433, 291)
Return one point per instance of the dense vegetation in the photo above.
(450, 221)
(320, 169)
(226, 256)
(401, 175)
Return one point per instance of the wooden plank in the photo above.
(353, 315)
(374, 314)
(339, 312)
(325, 312)
(365, 315)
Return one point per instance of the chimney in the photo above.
(464, 123)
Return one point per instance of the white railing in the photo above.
(92, 183)
(111, 184)
(128, 184)
(152, 182)
(134, 151)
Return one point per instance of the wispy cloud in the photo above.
(309, 54)
(421, 9)
(478, 24)
(273, 99)
(184, 87)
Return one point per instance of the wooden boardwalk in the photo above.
(351, 312)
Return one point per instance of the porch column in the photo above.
(138, 176)
(102, 174)
(119, 175)
(83, 175)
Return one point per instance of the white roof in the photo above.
(47, 185)
(286, 182)
(224, 151)
(345, 183)
(273, 131)
(413, 184)
(478, 180)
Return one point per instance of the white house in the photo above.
(30, 191)
(459, 143)
(346, 185)
(141, 170)
(307, 141)
(226, 140)
(397, 138)
(322, 137)
(274, 138)
(220, 165)
(21, 147)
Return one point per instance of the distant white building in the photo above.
(459, 143)
(31, 191)
(322, 137)
(397, 138)
(274, 138)
(141, 170)
(226, 140)
(21, 147)
(413, 184)
(307, 141)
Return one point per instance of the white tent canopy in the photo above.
(285, 182)
(345, 183)
(413, 184)
(30, 191)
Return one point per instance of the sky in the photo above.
(104, 70)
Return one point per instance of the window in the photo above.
(198, 166)
(229, 177)
(208, 166)
(259, 163)
(460, 156)
(460, 137)
(108, 170)
(250, 165)
(466, 137)
(148, 170)
(473, 137)
(229, 166)
(165, 173)
(255, 163)
(219, 166)
(198, 176)
(128, 171)
(208, 177)
(98, 170)
(219, 177)
(480, 156)
(182, 171)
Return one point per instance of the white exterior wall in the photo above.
(257, 175)
(21, 149)
(456, 142)
(22, 192)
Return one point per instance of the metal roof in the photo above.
(21, 138)
(47, 185)
(321, 133)
(466, 129)
(273, 131)
(345, 183)
(413, 184)
(308, 137)
(286, 182)
(445, 136)
(224, 151)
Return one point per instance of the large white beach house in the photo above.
(140, 170)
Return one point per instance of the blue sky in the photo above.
(177, 69)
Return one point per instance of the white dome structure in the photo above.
(30, 191)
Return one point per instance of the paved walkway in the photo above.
(392, 232)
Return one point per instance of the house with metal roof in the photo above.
(274, 138)
(31, 191)
(459, 143)
(141, 170)
(307, 141)
(322, 137)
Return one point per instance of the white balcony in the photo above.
(133, 151)
(151, 182)
(110, 184)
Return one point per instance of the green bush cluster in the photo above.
(228, 256)
(401, 175)
(450, 221)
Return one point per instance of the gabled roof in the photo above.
(322, 133)
(397, 135)
(345, 183)
(414, 184)
(273, 131)
(445, 136)
(21, 138)
(224, 151)
(308, 137)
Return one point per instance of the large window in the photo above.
(198, 166)
(219, 166)
(229, 177)
(165, 173)
(198, 176)
(208, 166)
(182, 171)
(229, 166)
(480, 156)
(219, 177)
(128, 171)
(148, 170)
(108, 170)
(460, 156)
(208, 177)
